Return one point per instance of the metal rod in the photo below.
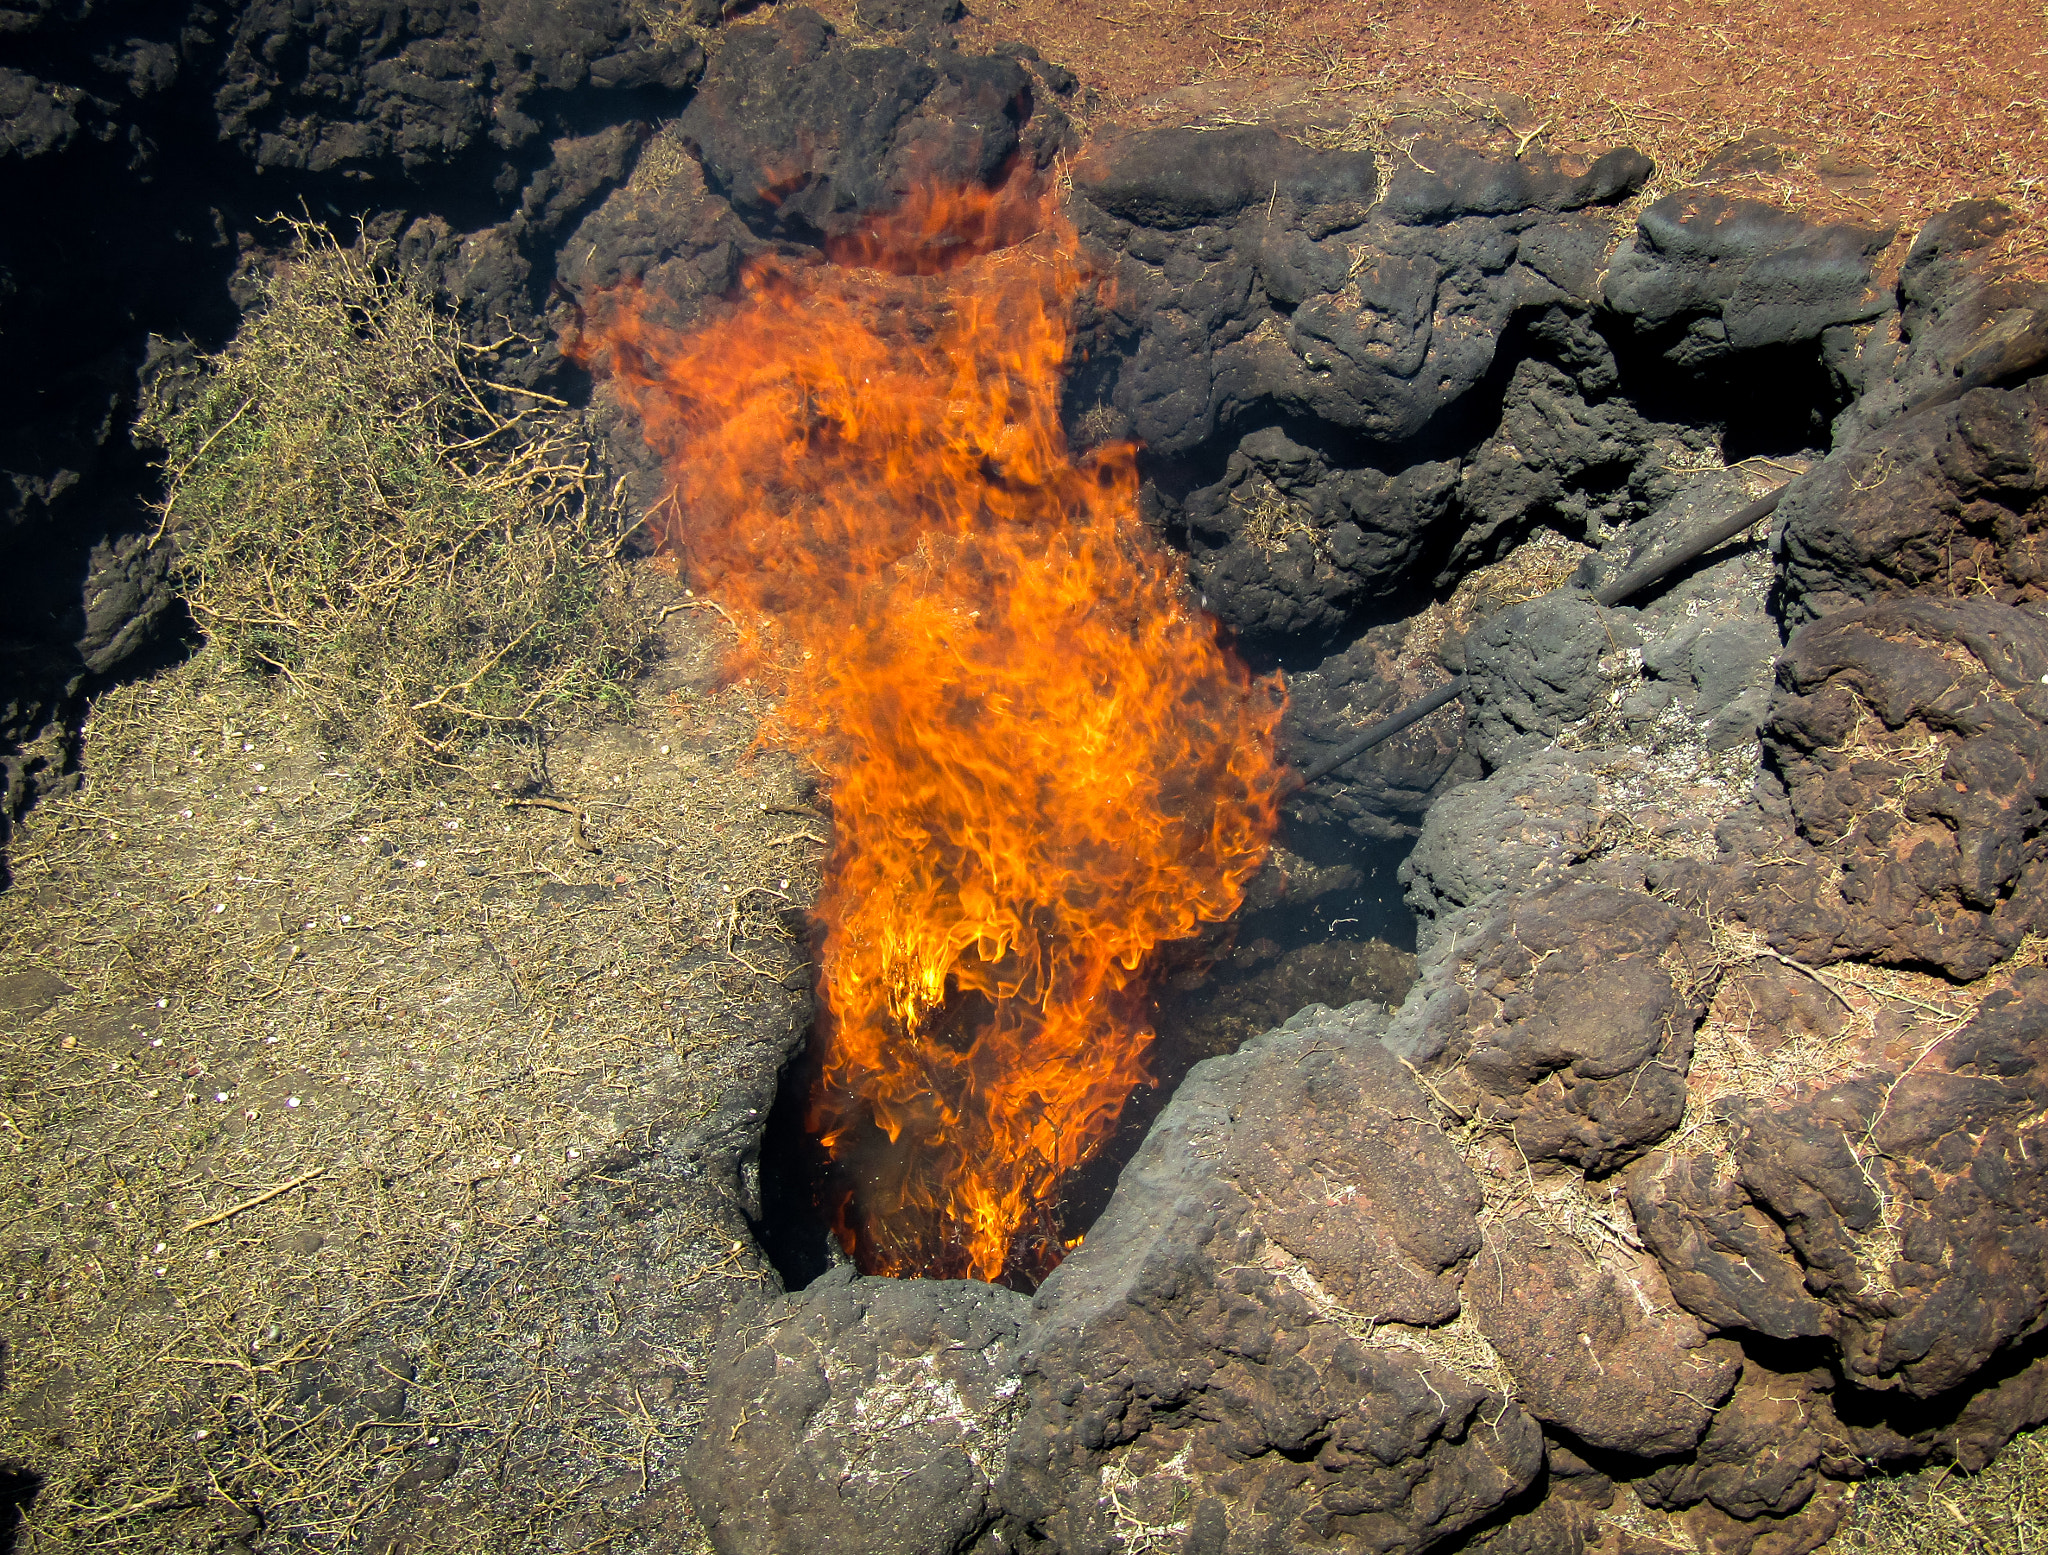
(1387, 728)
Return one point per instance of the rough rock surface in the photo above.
(1898, 1212)
(1569, 1022)
(1258, 275)
(1707, 276)
(1257, 1348)
(1952, 504)
(803, 137)
(1910, 736)
(860, 1415)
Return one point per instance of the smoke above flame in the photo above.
(1043, 761)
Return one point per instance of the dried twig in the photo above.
(261, 1199)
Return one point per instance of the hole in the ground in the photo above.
(18, 1490)
(1310, 933)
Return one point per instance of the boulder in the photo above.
(1566, 1017)
(1910, 735)
(1898, 1211)
(859, 1417)
(1951, 504)
(1259, 1344)
(1709, 275)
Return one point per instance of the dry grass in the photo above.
(348, 1182)
(358, 511)
(460, 1035)
(1939, 1511)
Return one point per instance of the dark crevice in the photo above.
(18, 1490)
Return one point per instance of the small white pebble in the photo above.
(515, 1160)
(161, 1270)
(291, 1101)
(664, 749)
(213, 1255)
(345, 918)
(572, 1156)
(273, 1041)
(157, 1041)
(309, 923)
(159, 1247)
(220, 906)
(261, 789)
(248, 745)
(220, 1095)
(162, 1004)
(187, 815)
(256, 766)
(419, 863)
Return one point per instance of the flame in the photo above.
(1043, 761)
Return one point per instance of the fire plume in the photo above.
(1043, 761)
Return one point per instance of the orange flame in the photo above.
(1043, 762)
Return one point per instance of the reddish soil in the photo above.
(1879, 111)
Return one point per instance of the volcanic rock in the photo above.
(1532, 670)
(1951, 504)
(1251, 268)
(1565, 455)
(356, 86)
(1519, 830)
(1284, 547)
(1592, 1350)
(1383, 795)
(1709, 275)
(1176, 178)
(1957, 314)
(1910, 736)
(859, 1415)
(1569, 1021)
(1899, 1211)
(1258, 1346)
(804, 134)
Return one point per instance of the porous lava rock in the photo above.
(804, 134)
(1910, 736)
(1593, 1351)
(1385, 794)
(1258, 1346)
(1570, 1022)
(1254, 271)
(860, 1416)
(1283, 547)
(1898, 1212)
(1708, 275)
(364, 88)
(1951, 504)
